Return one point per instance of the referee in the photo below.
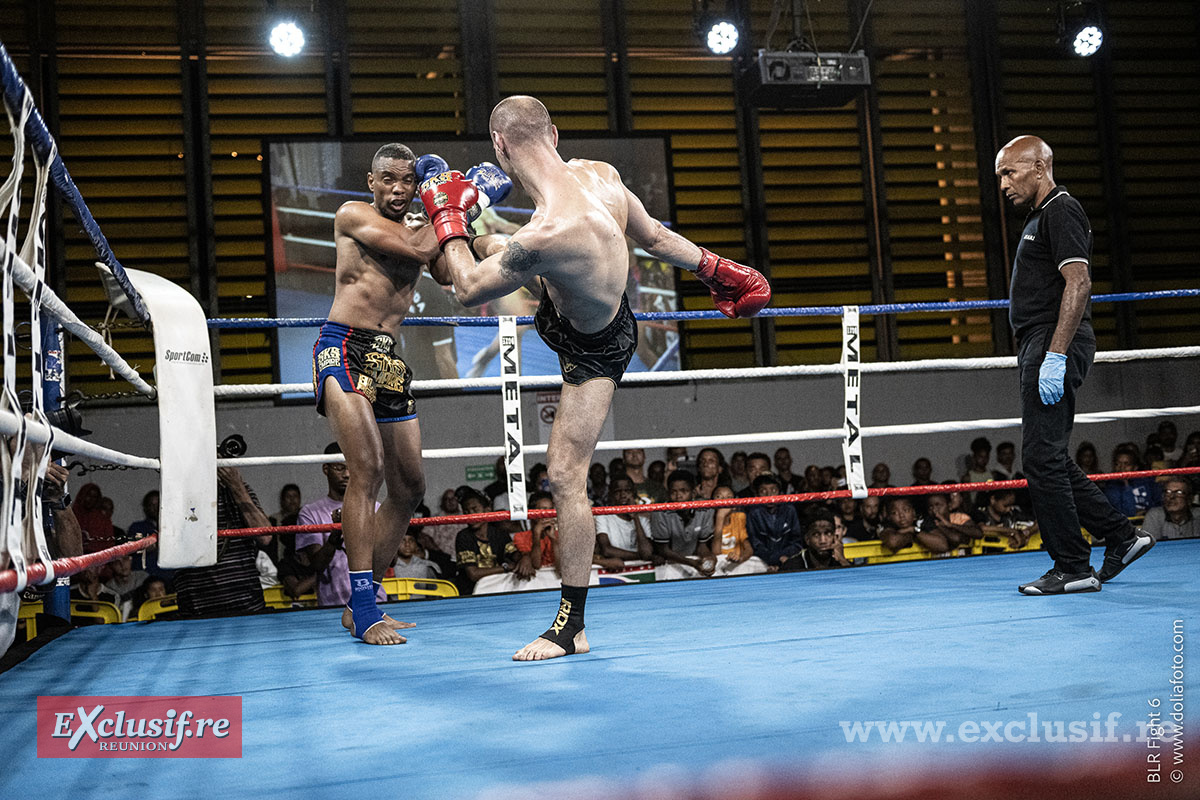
(1050, 314)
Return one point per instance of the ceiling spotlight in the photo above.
(287, 39)
(1088, 40)
(722, 37)
(1080, 27)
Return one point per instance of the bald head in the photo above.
(1025, 167)
(1028, 149)
(521, 119)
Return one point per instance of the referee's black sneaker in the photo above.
(1119, 556)
(1058, 582)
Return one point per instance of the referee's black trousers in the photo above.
(1062, 495)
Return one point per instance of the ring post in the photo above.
(52, 352)
(514, 454)
(852, 428)
(187, 426)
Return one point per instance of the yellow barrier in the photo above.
(29, 612)
(994, 543)
(875, 553)
(159, 605)
(276, 597)
(107, 613)
(405, 588)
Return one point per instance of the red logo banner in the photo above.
(139, 727)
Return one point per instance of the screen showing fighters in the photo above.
(309, 180)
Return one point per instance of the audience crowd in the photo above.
(771, 537)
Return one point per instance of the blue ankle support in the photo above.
(362, 602)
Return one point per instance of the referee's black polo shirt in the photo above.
(1056, 233)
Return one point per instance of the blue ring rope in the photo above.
(666, 316)
(368, 196)
(41, 141)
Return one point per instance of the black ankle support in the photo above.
(569, 621)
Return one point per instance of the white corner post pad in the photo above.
(187, 426)
(514, 436)
(852, 453)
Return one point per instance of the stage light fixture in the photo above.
(287, 39)
(1080, 28)
(722, 37)
(1088, 40)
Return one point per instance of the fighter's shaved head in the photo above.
(1029, 149)
(521, 119)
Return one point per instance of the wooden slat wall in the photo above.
(1051, 94)
(932, 179)
(121, 137)
(120, 96)
(557, 57)
(816, 220)
(678, 87)
(406, 74)
(252, 93)
(1157, 96)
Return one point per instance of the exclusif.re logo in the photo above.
(145, 727)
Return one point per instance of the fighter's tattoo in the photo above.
(517, 259)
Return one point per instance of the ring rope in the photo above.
(10, 424)
(243, 391)
(43, 143)
(34, 252)
(668, 316)
(731, 502)
(13, 463)
(812, 434)
(24, 277)
(72, 565)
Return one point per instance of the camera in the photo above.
(232, 446)
(67, 417)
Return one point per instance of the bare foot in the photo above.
(381, 633)
(541, 649)
(348, 619)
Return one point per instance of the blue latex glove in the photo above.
(1050, 379)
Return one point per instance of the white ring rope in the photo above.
(65, 442)
(245, 391)
(11, 506)
(740, 438)
(24, 277)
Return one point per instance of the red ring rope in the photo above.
(734, 502)
(72, 565)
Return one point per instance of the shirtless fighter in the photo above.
(575, 244)
(362, 386)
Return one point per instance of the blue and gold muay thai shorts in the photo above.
(364, 362)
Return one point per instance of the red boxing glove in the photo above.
(447, 198)
(737, 290)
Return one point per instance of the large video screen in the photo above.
(309, 180)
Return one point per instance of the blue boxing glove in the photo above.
(1051, 377)
(491, 181)
(428, 166)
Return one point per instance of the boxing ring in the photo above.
(788, 685)
(728, 688)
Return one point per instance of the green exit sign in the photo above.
(481, 472)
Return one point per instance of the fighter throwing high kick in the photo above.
(575, 244)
